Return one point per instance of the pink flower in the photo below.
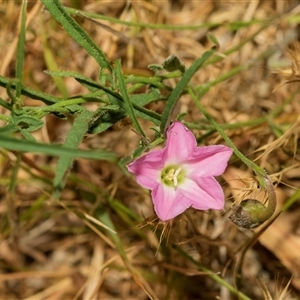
(181, 175)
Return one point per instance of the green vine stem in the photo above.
(212, 275)
(250, 213)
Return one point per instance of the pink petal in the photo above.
(147, 169)
(208, 161)
(168, 202)
(205, 193)
(180, 144)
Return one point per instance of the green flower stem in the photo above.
(153, 81)
(250, 213)
(258, 170)
(254, 122)
(238, 125)
(237, 47)
(291, 200)
(20, 54)
(204, 88)
(213, 275)
(156, 142)
(231, 25)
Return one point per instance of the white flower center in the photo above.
(172, 175)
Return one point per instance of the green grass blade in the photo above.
(104, 217)
(212, 275)
(4, 104)
(187, 76)
(236, 48)
(20, 50)
(230, 25)
(59, 13)
(15, 144)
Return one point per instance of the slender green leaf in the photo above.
(127, 103)
(74, 138)
(27, 135)
(33, 209)
(153, 81)
(9, 128)
(59, 13)
(145, 98)
(20, 50)
(91, 84)
(176, 93)
(4, 104)
(105, 218)
(26, 91)
(106, 117)
(142, 25)
(211, 274)
(265, 24)
(213, 39)
(15, 144)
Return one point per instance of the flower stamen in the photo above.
(172, 175)
(175, 179)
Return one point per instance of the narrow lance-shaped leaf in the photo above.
(176, 93)
(20, 50)
(73, 140)
(128, 105)
(59, 13)
(15, 144)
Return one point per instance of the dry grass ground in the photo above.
(58, 250)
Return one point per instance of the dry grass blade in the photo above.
(279, 294)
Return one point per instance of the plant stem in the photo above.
(258, 170)
(213, 275)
